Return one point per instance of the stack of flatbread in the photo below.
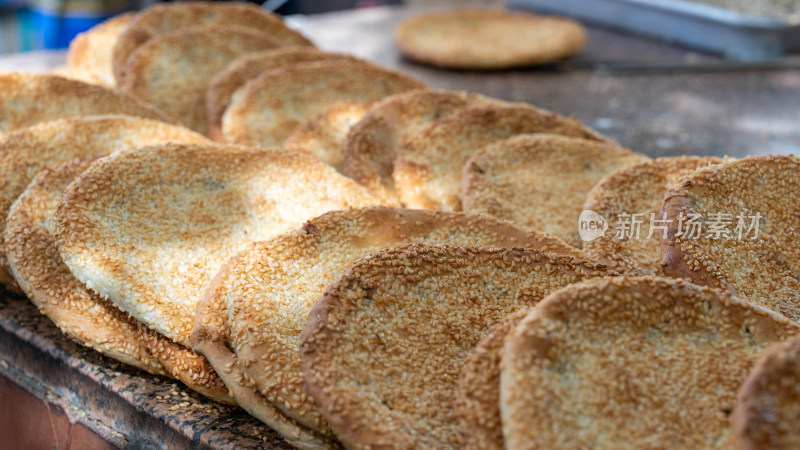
(359, 261)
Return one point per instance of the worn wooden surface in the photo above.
(724, 113)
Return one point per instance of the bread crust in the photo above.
(631, 363)
(89, 54)
(485, 39)
(382, 348)
(240, 71)
(163, 18)
(267, 109)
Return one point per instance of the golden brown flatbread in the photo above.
(488, 39)
(89, 54)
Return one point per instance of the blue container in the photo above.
(52, 24)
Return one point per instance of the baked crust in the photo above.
(267, 109)
(631, 363)
(383, 347)
(488, 39)
(762, 267)
(637, 189)
(163, 18)
(245, 68)
(89, 54)
(173, 70)
(428, 167)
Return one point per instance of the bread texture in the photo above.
(89, 54)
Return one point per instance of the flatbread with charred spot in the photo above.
(540, 180)
(148, 228)
(266, 110)
(755, 252)
(173, 70)
(240, 71)
(427, 170)
(383, 347)
(637, 189)
(269, 289)
(629, 363)
(24, 153)
(163, 18)
(371, 145)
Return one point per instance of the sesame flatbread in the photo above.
(149, 228)
(427, 170)
(636, 190)
(630, 363)
(383, 347)
(80, 313)
(322, 136)
(27, 99)
(768, 406)
(477, 404)
(488, 39)
(735, 226)
(266, 110)
(240, 71)
(270, 289)
(163, 18)
(540, 180)
(89, 54)
(370, 148)
(172, 70)
(25, 152)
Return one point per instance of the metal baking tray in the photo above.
(704, 27)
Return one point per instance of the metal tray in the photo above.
(735, 35)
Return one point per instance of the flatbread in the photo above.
(322, 136)
(630, 363)
(768, 406)
(173, 70)
(540, 180)
(477, 404)
(637, 189)
(27, 99)
(371, 145)
(89, 54)
(80, 313)
(383, 347)
(267, 109)
(25, 152)
(36, 265)
(488, 39)
(149, 228)
(427, 170)
(163, 18)
(761, 265)
(268, 292)
(240, 71)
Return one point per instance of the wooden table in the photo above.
(721, 113)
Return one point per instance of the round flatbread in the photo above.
(383, 347)
(477, 404)
(488, 39)
(371, 145)
(80, 313)
(25, 152)
(227, 81)
(89, 54)
(270, 289)
(322, 136)
(163, 18)
(540, 180)
(631, 363)
(427, 170)
(27, 99)
(638, 189)
(735, 226)
(173, 70)
(768, 406)
(148, 228)
(267, 109)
